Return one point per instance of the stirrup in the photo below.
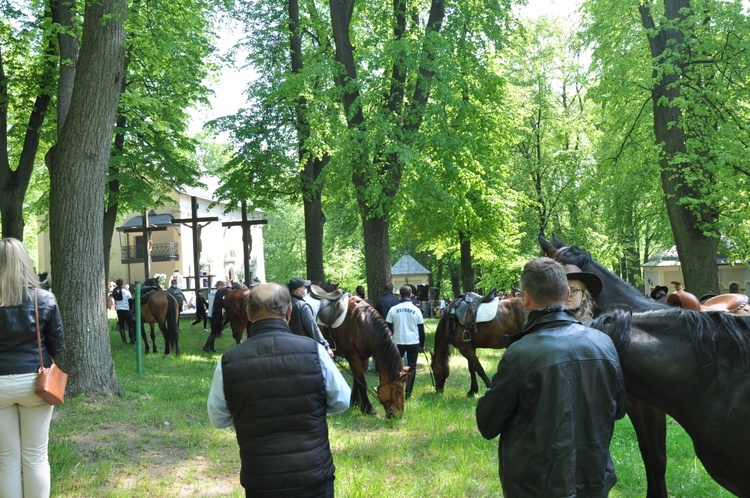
(466, 336)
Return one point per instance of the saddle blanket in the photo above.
(486, 311)
(315, 305)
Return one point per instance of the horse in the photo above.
(234, 302)
(161, 307)
(508, 320)
(695, 366)
(649, 422)
(362, 334)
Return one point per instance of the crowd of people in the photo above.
(553, 402)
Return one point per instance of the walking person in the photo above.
(406, 322)
(555, 397)
(276, 388)
(24, 416)
(200, 310)
(123, 300)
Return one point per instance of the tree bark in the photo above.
(78, 166)
(467, 270)
(697, 242)
(312, 167)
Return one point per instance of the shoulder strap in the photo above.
(38, 335)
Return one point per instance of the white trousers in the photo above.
(24, 434)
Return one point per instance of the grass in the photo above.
(156, 441)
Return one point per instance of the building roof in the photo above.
(671, 258)
(408, 266)
(159, 220)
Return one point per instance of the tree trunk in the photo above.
(377, 252)
(467, 270)
(78, 167)
(697, 242)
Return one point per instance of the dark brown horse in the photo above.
(508, 320)
(161, 308)
(233, 302)
(649, 422)
(362, 334)
(696, 367)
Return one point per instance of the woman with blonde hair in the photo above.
(24, 416)
(584, 288)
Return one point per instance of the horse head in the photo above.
(439, 357)
(391, 394)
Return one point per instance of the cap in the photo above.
(591, 280)
(657, 289)
(296, 283)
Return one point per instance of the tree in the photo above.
(78, 166)
(27, 62)
(689, 65)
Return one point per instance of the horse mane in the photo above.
(713, 333)
(384, 349)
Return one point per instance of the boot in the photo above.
(410, 381)
(122, 335)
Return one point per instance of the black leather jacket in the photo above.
(554, 401)
(19, 353)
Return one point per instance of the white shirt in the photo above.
(338, 392)
(405, 318)
(210, 302)
(124, 304)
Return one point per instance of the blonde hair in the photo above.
(586, 310)
(16, 272)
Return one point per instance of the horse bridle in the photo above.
(371, 392)
(581, 262)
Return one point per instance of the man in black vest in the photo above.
(280, 425)
(303, 320)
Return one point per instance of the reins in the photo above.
(372, 392)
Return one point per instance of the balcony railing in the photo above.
(159, 252)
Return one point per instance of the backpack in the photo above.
(117, 293)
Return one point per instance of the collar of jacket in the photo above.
(268, 325)
(540, 319)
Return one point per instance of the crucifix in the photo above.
(247, 240)
(193, 223)
(145, 229)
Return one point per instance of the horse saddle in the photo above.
(472, 308)
(735, 304)
(146, 291)
(329, 308)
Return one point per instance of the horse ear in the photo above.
(404, 373)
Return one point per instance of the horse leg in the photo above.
(475, 368)
(144, 337)
(153, 337)
(358, 372)
(650, 426)
(165, 335)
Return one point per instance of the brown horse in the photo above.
(160, 307)
(362, 334)
(234, 303)
(508, 320)
(650, 423)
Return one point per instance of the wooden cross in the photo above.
(193, 223)
(145, 229)
(247, 241)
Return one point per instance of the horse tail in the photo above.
(172, 334)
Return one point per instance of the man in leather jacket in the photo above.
(555, 397)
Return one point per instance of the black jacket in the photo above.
(275, 391)
(554, 401)
(303, 321)
(385, 303)
(19, 353)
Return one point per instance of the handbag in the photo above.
(50, 385)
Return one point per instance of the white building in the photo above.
(221, 252)
(664, 268)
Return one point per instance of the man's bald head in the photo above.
(269, 301)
